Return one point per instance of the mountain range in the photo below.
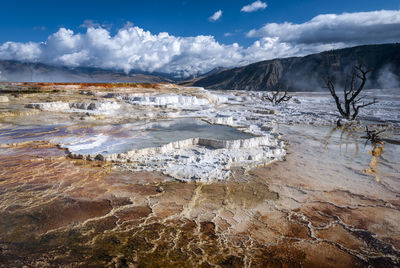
(15, 71)
(305, 73)
(295, 73)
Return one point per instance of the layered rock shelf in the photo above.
(197, 154)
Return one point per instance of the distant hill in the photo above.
(296, 73)
(304, 73)
(186, 82)
(16, 71)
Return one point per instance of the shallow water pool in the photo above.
(125, 137)
(119, 138)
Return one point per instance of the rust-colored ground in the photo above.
(57, 211)
(312, 210)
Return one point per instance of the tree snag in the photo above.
(373, 135)
(277, 97)
(351, 104)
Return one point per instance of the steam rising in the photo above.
(387, 78)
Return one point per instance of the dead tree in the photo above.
(373, 135)
(277, 97)
(352, 88)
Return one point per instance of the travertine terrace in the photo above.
(159, 175)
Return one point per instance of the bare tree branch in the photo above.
(373, 135)
(331, 87)
(350, 108)
(356, 108)
(363, 77)
(359, 99)
(276, 97)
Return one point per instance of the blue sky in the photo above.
(27, 21)
(31, 20)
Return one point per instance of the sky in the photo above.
(187, 37)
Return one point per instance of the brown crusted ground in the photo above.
(62, 212)
(304, 212)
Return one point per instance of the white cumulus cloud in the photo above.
(133, 48)
(216, 16)
(257, 5)
(349, 28)
(20, 51)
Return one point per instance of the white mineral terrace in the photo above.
(196, 158)
(185, 154)
(333, 201)
(202, 156)
(105, 107)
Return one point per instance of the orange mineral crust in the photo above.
(82, 213)
(314, 195)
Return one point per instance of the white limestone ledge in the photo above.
(182, 144)
(197, 159)
(103, 107)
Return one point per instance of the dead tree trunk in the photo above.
(351, 105)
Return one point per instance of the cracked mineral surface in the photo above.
(103, 176)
